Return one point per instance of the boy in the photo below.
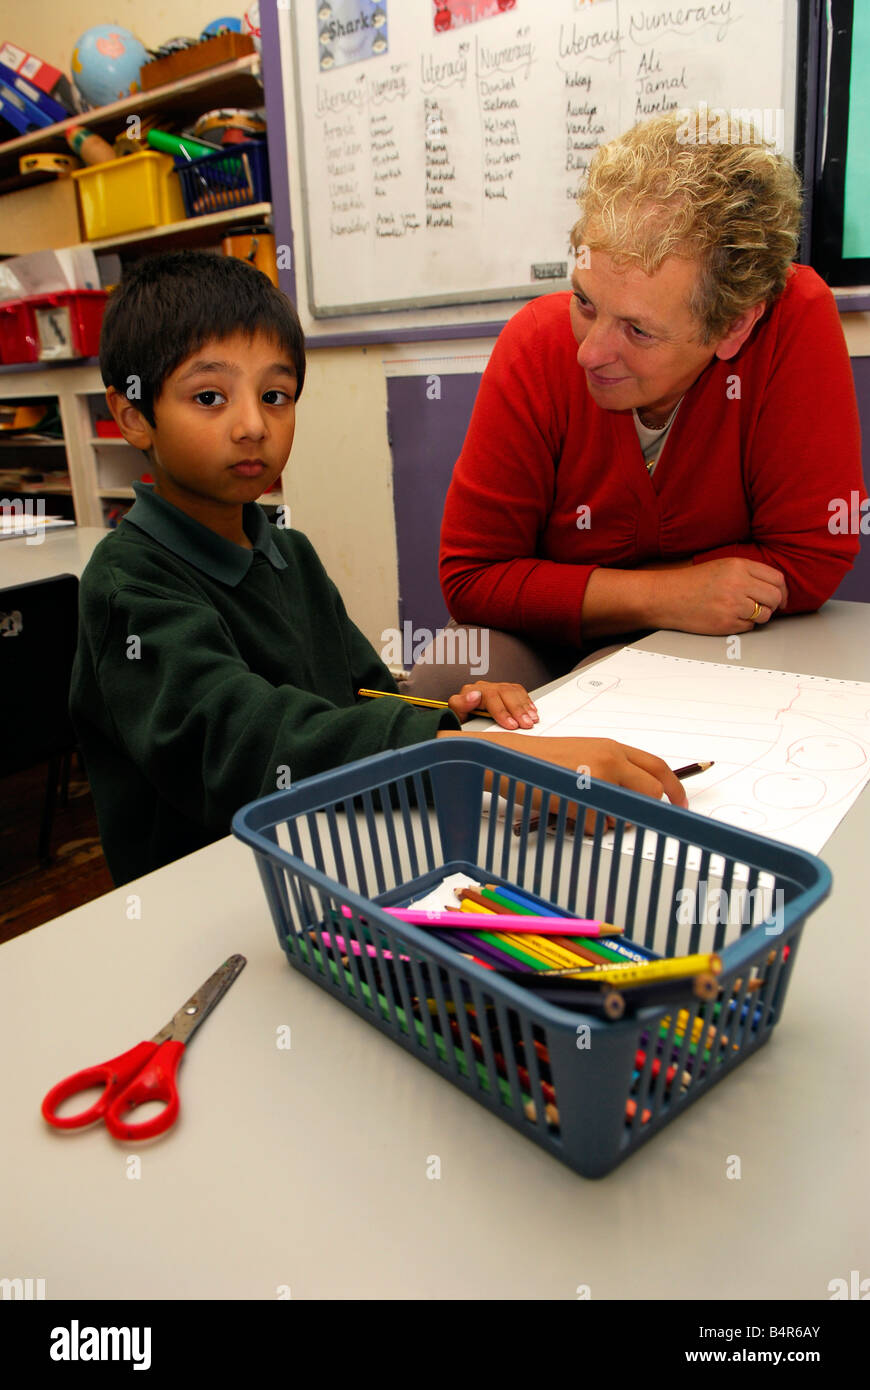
(215, 655)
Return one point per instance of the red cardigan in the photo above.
(752, 476)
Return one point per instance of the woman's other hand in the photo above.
(719, 597)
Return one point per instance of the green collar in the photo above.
(223, 560)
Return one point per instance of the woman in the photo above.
(660, 447)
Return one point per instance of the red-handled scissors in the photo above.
(145, 1073)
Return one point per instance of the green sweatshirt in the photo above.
(204, 670)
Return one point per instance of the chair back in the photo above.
(38, 635)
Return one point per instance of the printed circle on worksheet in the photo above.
(822, 752)
(594, 685)
(788, 791)
(746, 817)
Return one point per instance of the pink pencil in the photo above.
(507, 922)
(356, 947)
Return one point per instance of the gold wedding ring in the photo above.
(756, 612)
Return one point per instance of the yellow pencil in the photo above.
(624, 976)
(409, 699)
(546, 950)
(682, 1020)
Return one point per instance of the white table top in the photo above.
(43, 556)
(308, 1167)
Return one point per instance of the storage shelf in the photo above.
(62, 489)
(76, 382)
(31, 443)
(232, 84)
(186, 233)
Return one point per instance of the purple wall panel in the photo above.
(856, 585)
(426, 438)
(278, 154)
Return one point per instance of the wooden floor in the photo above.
(78, 871)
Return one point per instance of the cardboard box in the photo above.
(40, 218)
(210, 53)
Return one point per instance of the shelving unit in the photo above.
(232, 84)
(192, 232)
(101, 471)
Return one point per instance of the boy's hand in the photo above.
(606, 759)
(509, 705)
(603, 758)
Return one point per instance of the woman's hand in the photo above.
(509, 705)
(719, 597)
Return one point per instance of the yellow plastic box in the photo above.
(125, 195)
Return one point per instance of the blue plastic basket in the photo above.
(387, 829)
(231, 179)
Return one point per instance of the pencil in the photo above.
(493, 902)
(671, 968)
(542, 926)
(409, 699)
(481, 910)
(578, 989)
(490, 952)
(691, 771)
(535, 821)
(604, 946)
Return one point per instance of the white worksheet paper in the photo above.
(791, 752)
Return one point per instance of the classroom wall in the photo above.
(339, 481)
(50, 29)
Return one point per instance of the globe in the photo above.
(227, 25)
(105, 64)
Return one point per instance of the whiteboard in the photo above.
(441, 166)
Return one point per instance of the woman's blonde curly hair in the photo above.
(654, 192)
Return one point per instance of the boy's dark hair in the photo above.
(167, 306)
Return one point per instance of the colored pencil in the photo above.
(549, 951)
(610, 949)
(517, 949)
(504, 1089)
(490, 901)
(670, 968)
(567, 990)
(469, 907)
(640, 1062)
(691, 771)
(631, 1111)
(535, 821)
(620, 948)
(490, 951)
(355, 947)
(409, 699)
(542, 926)
(515, 896)
(544, 951)
(602, 1003)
